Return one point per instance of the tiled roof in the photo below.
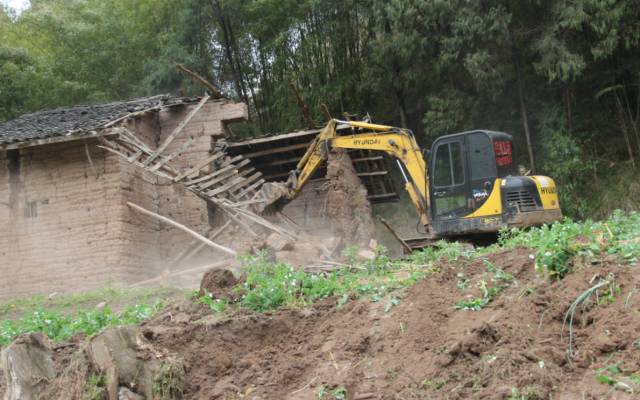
(77, 120)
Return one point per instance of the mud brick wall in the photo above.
(65, 226)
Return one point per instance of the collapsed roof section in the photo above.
(78, 121)
(276, 156)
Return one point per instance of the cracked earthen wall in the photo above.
(65, 226)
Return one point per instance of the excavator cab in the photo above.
(473, 187)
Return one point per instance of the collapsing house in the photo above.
(64, 222)
(103, 194)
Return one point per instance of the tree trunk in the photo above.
(623, 128)
(523, 110)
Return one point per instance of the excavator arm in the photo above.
(398, 143)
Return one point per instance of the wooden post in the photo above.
(183, 228)
(176, 131)
(213, 91)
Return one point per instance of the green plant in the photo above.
(216, 305)
(58, 326)
(434, 384)
(462, 283)
(500, 280)
(473, 304)
(556, 244)
(618, 378)
(168, 383)
(350, 252)
(271, 285)
(609, 295)
(94, 387)
(524, 394)
(339, 393)
(582, 299)
(392, 302)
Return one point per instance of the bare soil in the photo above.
(347, 204)
(421, 348)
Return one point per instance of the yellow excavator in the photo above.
(467, 183)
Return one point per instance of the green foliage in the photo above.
(526, 393)
(168, 383)
(339, 393)
(556, 244)
(94, 387)
(500, 280)
(434, 384)
(216, 305)
(70, 303)
(436, 67)
(613, 375)
(58, 326)
(272, 285)
(564, 160)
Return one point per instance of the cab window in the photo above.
(481, 157)
(448, 165)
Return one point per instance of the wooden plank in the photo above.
(226, 186)
(252, 187)
(276, 176)
(235, 172)
(195, 246)
(173, 155)
(166, 273)
(247, 182)
(395, 235)
(127, 134)
(217, 173)
(276, 150)
(231, 170)
(244, 182)
(215, 92)
(259, 220)
(269, 139)
(382, 196)
(241, 223)
(199, 166)
(57, 139)
(214, 173)
(374, 173)
(293, 160)
(135, 156)
(183, 228)
(177, 131)
(361, 159)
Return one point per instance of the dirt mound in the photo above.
(424, 347)
(218, 283)
(347, 204)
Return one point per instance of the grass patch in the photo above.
(499, 281)
(619, 378)
(116, 298)
(617, 236)
(66, 315)
(61, 327)
(269, 285)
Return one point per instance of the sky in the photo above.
(17, 5)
